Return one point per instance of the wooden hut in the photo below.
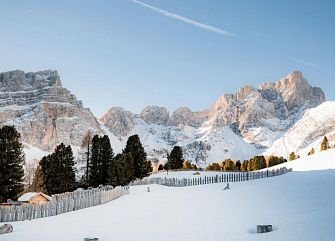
(34, 198)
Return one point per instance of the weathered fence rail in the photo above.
(62, 203)
(224, 177)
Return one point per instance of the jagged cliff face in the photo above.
(44, 112)
(235, 126)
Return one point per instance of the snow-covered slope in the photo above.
(308, 132)
(299, 205)
(320, 161)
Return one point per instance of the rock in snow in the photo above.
(236, 126)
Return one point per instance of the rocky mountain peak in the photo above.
(18, 80)
(44, 112)
(119, 121)
(155, 115)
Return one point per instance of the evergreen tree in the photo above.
(213, 167)
(250, 166)
(244, 166)
(101, 161)
(324, 144)
(238, 165)
(175, 158)
(141, 167)
(121, 170)
(11, 163)
(229, 165)
(259, 162)
(292, 156)
(311, 152)
(58, 170)
(160, 167)
(187, 165)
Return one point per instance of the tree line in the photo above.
(254, 164)
(56, 172)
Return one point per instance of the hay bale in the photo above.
(264, 228)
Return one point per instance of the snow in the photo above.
(296, 204)
(33, 154)
(186, 174)
(320, 161)
(29, 195)
(308, 132)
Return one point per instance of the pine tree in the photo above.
(244, 166)
(238, 165)
(58, 170)
(229, 165)
(250, 166)
(213, 167)
(187, 165)
(101, 161)
(324, 144)
(311, 152)
(292, 156)
(160, 167)
(141, 167)
(121, 170)
(11, 163)
(175, 158)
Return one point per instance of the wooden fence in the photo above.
(62, 203)
(224, 177)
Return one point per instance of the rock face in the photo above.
(253, 119)
(155, 115)
(236, 126)
(119, 121)
(44, 112)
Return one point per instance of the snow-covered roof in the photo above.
(30, 195)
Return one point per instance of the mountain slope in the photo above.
(236, 126)
(308, 132)
(44, 112)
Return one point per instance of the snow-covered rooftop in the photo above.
(30, 195)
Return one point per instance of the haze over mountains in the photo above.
(270, 119)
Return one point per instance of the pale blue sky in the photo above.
(119, 53)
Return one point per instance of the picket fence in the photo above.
(224, 177)
(62, 203)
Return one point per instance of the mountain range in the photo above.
(275, 118)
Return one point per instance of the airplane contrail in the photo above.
(184, 19)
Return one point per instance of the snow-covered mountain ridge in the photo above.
(238, 126)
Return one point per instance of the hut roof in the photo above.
(30, 195)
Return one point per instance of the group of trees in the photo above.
(254, 164)
(323, 147)
(56, 172)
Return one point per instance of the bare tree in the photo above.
(86, 144)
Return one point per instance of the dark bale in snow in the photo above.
(264, 228)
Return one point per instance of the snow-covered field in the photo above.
(186, 174)
(300, 205)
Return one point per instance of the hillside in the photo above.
(297, 205)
